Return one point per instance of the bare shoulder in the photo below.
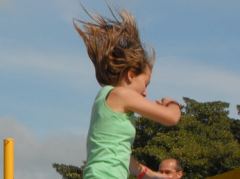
(128, 98)
(117, 99)
(123, 93)
(120, 97)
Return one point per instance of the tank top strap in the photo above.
(105, 91)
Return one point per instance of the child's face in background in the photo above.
(168, 167)
(140, 82)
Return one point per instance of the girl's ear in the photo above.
(130, 76)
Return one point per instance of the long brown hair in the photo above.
(114, 46)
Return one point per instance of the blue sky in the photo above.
(47, 82)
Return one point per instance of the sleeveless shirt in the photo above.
(109, 141)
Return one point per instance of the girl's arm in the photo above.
(142, 172)
(166, 112)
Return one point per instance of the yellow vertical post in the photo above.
(8, 170)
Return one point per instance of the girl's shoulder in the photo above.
(125, 95)
(123, 92)
(118, 98)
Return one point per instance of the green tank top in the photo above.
(109, 141)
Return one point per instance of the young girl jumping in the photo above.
(123, 69)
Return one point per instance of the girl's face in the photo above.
(140, 82)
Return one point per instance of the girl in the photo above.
(123, 68)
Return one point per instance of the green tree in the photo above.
(235, 126)
(206, 141)
(69, 171)
(235, 129)
(238, 109)
(202, 141)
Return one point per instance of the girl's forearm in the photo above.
(135, 167)
(143, 172)
(140, 171)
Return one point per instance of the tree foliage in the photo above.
(206, 141)
(235, 126)
(203, 140)
(238, 108)
(235, 129)
(68, 171)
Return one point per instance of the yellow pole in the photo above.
(8, 158)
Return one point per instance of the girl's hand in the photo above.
(166, 101)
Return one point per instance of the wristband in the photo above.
(141, 175)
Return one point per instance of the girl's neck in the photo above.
(121, 83)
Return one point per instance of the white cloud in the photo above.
(195, 75)
(32, 60)
(64, 66)
(179, 77)
(34, 156)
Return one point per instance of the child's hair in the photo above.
(114, 47)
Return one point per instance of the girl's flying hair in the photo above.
(114, 46)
